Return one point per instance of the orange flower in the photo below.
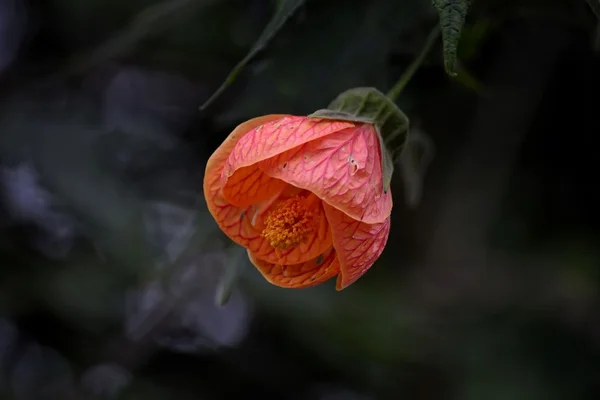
(303, 195)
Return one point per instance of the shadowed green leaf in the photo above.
(452, 19)
(286, 9)
(369, 105)
(595, 6)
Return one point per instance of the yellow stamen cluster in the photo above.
(289, 223)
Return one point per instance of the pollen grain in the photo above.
(289, 223)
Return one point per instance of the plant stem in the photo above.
(414, 66)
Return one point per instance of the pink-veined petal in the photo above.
(277, 136)
(309, 273)
(249, 185)
(357, 244)
(343, 169)
(234, 221)
(243, 182)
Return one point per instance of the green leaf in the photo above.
(595, 6)
(452, 19)
(369, 105)
(286, 9)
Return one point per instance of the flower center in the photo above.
(289, 223)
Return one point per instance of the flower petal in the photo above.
(343, 169)
(250, 185)
(309, 273)
(243, 182)
(275, 137)
(357, 244)
(316, 244)
(233, 221)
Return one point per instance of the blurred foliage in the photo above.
(595, 6)
(111, 262)
(285, 9)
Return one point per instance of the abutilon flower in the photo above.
(305, 196)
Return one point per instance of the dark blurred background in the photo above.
(489, 289)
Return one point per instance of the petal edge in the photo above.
(299, 276)
(357, 244)
(232, 220)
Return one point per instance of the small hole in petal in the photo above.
(319, 259)
(353, 165)
(284, 166)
